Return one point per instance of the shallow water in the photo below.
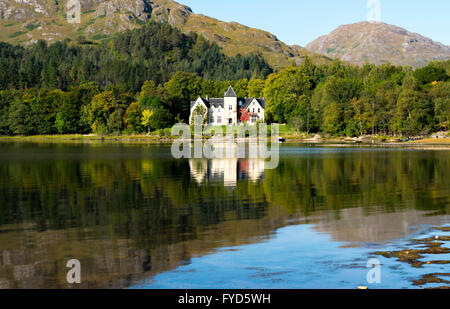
(135, 217)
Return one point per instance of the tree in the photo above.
(68, 117)
(284, 89)
(362, 114)
(245, 116)
(240, 87)
(133, 117)
(6, 98)
(440, 96)
(161, 119)
(414, 113)
(17, 114)
(150, 102)
(333, 119)
(182, 88)
(297, 123)
(146, 119)
(201, 112)
(255, 88)
(149, 89)
(429, 74)
(79, 98)
(115, 122)
(99, 112)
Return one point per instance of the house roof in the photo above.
(212, 102)
(230, 93)
(247, 102)
(219, 102)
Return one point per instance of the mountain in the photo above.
(379, 43)
(26, 21)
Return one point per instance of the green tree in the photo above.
(362, 115)
(255, 88)
(161, 119)
(182, 88)
(333, 119)
(283, 90)
(146, 119)
(429, 74)
(133, 118)
(106, 110)
(240, 87)
(17, 114)
(201, 112)
(440, 95)
(414, 113)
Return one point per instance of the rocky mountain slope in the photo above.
(379, 43)
(26, 21)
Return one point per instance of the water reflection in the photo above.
(129, 213)
(226, 171)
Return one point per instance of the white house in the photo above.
(229, 109)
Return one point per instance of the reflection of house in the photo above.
(251, 169)
(227, 171)
(229, 109)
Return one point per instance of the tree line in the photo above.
(144, 79)
(342, 99)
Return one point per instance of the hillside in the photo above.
(379, 43)
(25, 22)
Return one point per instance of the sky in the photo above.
(302, 21)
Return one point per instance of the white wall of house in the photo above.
(230, 112)
(256, 108)
(222, 115)
(198, 102)
(216, 116)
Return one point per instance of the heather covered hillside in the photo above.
(26, 22)
(379, 43)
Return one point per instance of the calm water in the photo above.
(136, 218)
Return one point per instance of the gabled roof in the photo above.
(216, 102)
(212, 102)
(247, 102)
(219, 102)
(230, 93)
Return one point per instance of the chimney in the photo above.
(207, 98)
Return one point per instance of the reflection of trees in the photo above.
(56, 194)
(393, 180)
(153, 212)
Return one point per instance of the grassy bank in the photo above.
(290, 139)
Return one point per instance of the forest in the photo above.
(143, 80)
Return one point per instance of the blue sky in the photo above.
(301, 21)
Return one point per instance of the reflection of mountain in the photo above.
(355, 225)
(108, 262)
(227, 171)
(129, 213)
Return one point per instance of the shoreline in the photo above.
(154, 139)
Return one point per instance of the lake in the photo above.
(137, 218)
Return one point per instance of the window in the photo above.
(259, 110)
(219, 119)
(230, 108)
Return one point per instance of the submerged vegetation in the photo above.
(420, 248)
